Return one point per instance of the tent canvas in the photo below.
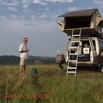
(89, 21)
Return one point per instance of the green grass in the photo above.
(53, 85)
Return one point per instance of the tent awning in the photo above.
(80, 13)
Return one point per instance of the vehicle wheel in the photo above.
(100, 67)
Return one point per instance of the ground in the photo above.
(50, 85)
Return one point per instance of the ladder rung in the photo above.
(74, 47)
(71, 71)
(74, 41)
(73, 53)
(72, 60)
(72, 67)
(76, 35)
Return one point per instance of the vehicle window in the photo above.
(101, 29)
(85, 42)
(101, 43)
(74, 44)
(94, 44)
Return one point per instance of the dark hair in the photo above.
(25, 38)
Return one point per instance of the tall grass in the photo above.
(53, 85)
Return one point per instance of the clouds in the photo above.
(30, 7)
(27, 3)
(36, 19)
(28, 10)
(74, 8)
(68, 1)
(5, 3)
(12, 9)
(45, 1)
(33, 19)
(43, 37)
(10, 6)
(99, 3)
(41, 2)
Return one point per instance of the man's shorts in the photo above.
(23, 62)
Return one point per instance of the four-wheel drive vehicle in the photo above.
(88, 24)
(90, 51)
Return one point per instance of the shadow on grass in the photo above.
(89, 68)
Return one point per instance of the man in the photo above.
(23, 55)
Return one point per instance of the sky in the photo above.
(37, 20)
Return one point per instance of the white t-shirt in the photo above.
(25, 54)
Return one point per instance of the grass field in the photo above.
(49, 86)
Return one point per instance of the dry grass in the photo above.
(86, 87)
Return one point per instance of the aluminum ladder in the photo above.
(73, 52)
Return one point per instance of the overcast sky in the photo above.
(37, 20)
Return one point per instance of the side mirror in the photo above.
(61, 23)
(101, 28)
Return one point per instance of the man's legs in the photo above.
(22, 66)
(60, 66)
(22, 70)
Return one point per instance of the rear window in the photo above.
(85, 42)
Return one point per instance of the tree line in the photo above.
(14, 60)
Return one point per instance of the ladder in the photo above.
(73, 52)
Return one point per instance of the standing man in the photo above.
(23, 55)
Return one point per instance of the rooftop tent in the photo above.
(88, 20)
(81, 13)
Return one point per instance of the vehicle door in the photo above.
(93, 51)
(101, 49)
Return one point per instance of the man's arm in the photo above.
(23, 51)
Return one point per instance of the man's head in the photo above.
(25, 40)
